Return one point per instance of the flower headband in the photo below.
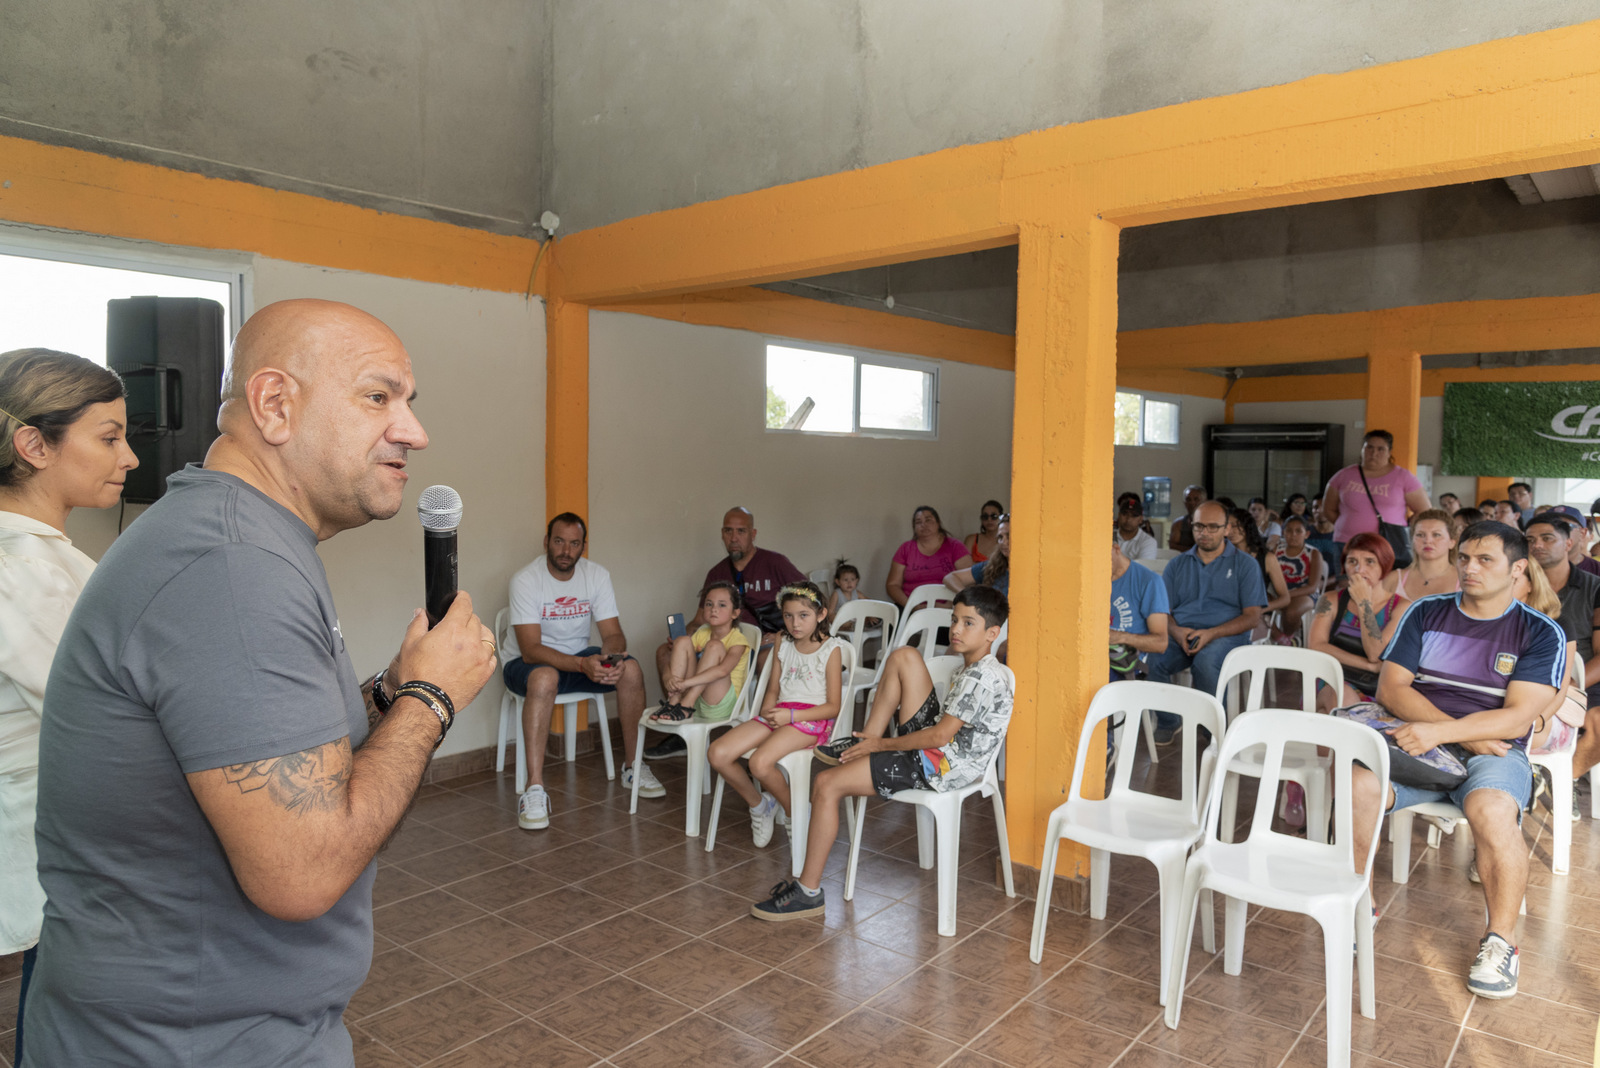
(799, 591)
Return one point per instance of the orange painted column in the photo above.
(1394, 399)
(566, 422)
(1062, 457)
(566, 407)
(1493, 487)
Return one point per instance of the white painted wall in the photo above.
(479, 363)
(1184, 463)
(677, 437)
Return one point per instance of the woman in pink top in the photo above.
(1395, 490)
(926, 559)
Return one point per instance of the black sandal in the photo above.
(671, 714)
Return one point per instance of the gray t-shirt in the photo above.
(207, 637)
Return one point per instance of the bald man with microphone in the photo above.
(214, 780)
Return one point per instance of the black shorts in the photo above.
(901, 769)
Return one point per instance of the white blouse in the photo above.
(41, 575)
(804, 676)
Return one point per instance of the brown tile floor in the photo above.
(616, 940)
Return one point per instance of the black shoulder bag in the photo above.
(1362, 681)
(1397, 535)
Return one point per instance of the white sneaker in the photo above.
(762, 819)
(1494, 972)
(533, 809)
(649, 785)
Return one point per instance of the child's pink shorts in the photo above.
(817, 728)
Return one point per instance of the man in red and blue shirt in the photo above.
(1474, 670)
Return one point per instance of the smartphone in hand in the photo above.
(675, 627)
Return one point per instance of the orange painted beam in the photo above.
(784, 315)
(1188, 383)
(566, 426)
(1433, 382)
(74, 190)
(1488, 110)
(1464, 326)
(1354, 386)
(805, 319)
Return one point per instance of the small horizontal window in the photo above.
(820, 392)
(1138, 420)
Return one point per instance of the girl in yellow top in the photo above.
(709, 666)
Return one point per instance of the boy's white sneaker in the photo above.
(762, 819)
(533, 809)
(649, 785)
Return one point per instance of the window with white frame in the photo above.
(1141, 420)
(54, 296)
(820, 391)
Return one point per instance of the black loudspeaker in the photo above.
(169, 352)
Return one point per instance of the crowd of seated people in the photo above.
(557, 598)
(1510, 574)
(1229, 588)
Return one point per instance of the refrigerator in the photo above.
(1271, 460)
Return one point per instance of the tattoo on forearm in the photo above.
(312, 781)
(373, 715)
(1324, 607)
(1369, 621)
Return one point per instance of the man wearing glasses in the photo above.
(1217, 596)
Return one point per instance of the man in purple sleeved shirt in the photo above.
(1474, 670)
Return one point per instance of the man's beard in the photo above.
(566, 568)
(735, 555)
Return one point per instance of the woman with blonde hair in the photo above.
(1433, 557)
(63, 425)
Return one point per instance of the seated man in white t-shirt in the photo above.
(554, 600)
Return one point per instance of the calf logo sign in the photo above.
(1568, 425)
(1521, 429)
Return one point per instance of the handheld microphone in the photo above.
(439, 509)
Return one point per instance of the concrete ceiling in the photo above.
(1451, 243)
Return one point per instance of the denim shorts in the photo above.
(1510, 774)
(517, 671)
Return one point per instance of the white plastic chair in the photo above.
(1301, 764)
(939, 818)
(696, 735)
(1279, 871)
(822, 577)
(796, 767)
(1559, 763)
(864, 677)
(927, 596)
(924, 623)
(572, 703)
(1131, 822)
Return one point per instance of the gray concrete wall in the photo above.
(428, 107)
(666, 103)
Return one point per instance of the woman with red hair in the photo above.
(1354, 625)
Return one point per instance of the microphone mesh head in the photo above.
(439, 508)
